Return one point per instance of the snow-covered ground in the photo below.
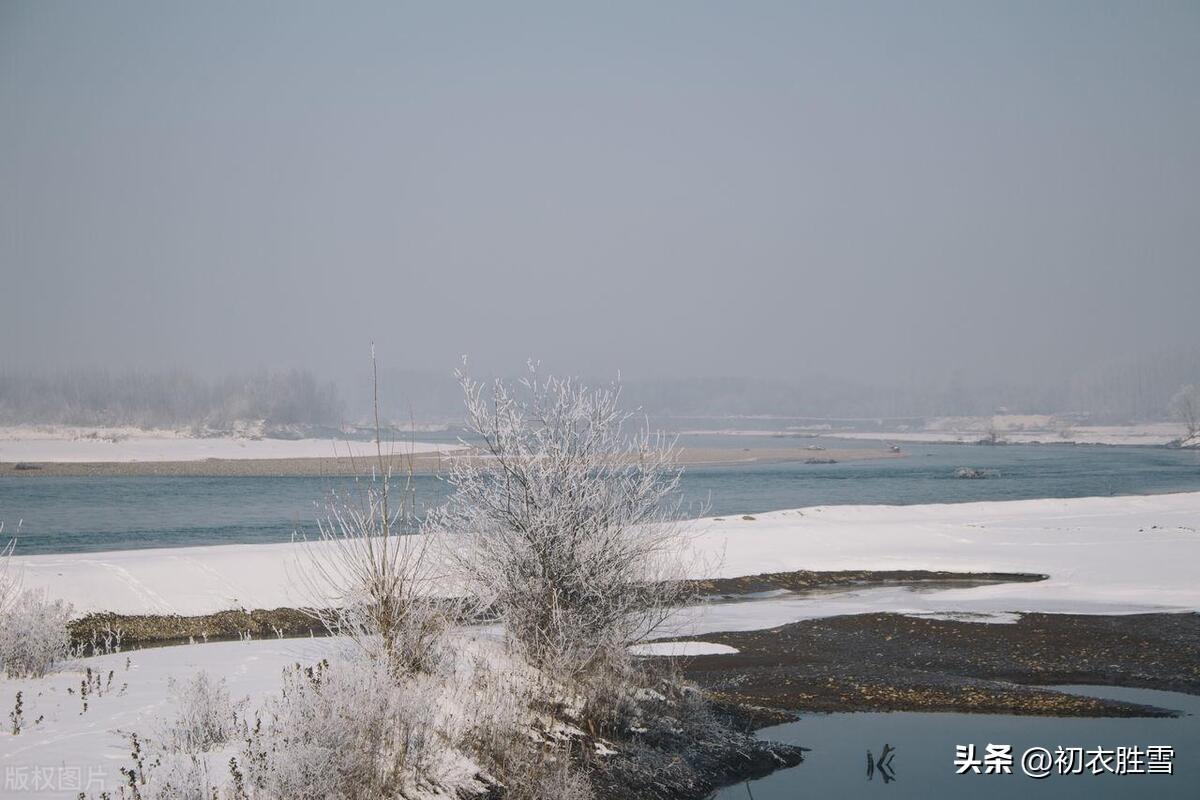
(122, 445)
(682, 649)
(1103, 554)
(72, 750)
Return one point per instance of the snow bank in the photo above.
(682, 649)
(122, 445)
(1103, 555)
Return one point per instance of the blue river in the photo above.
(78, 514)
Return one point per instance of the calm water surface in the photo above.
(73, 514)
(925, 746)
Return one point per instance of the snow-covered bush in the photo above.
(564, 525)
(498, 696)
(205, 717)
(33, 628)
(368, 574)
(187, 776)
(536, 771)
(8, 582)
(368, 577)
(33, 633)
(509, 726)
(348, 730)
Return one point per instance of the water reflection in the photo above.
(833, 768)
(882, 764)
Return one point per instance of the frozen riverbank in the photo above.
(60, 445)
(1102, 555)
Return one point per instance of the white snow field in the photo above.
(682, 649)
(1103, 555)
(72, 750)
(121, 445)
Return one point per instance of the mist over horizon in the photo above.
(1117, 392)
(808, 209)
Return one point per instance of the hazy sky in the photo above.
(689, 188)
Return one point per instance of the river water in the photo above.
(77, 514)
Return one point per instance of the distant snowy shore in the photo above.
(63, 444)
(1005, 428)
(1102, 554)
(1150, 434)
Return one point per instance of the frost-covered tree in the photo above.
(563, 523)
(1185, 407)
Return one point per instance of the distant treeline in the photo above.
(1121, 391)
(1124, 391)
(166, 399)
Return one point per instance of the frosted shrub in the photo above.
(186, 776)
(537, 771)
(506, 726)
(33, 634)
(499, 697)
(205, 717)
(369, 578)
(368, 575)
(564, 525)
(8, 582)
(350, 731)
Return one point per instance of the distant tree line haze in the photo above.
(166, 399)
(1130, 390)
(1126, 390)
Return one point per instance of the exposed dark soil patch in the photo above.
(676, 758)
(890, 662)
(141, 630)
(806, 580)
(865, 662)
